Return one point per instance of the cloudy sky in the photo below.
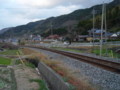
(17, 12)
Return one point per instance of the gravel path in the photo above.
(100, 78)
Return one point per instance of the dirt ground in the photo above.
(23, 75)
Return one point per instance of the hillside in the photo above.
(113, 21)
(67, 22)
(4, 30)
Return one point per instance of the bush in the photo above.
(33, 61)
(9, 46)
(113, 39)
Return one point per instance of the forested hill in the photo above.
(113, 19)
(79, 21)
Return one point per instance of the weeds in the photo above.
(63, 71)
(7, 79)
(41, 83)
(27, 51)
(30, 64)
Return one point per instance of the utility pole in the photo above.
(102, 24)
(93, 28)
(51, 27)
(106, 38)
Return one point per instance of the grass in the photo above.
(7, 79)
(96, 51)
(27, 51)
(9, 52)
(64, 72)
(5, 61)
(68, 49)
(109, 53)
(80, 49)
(2, 84)
(41, 83)
(30, 65)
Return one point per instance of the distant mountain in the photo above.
(64, 22)
(4, 30)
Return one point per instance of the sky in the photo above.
(18, 12)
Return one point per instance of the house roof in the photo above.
(53, 36)
(97, 31)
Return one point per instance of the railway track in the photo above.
(105, 64)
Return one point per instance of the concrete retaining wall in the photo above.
(53, 79)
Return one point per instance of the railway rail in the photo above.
(101, 63)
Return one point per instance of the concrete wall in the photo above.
(53, 79)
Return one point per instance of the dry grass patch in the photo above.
(63, 71)
(68, 75)
(27, 51)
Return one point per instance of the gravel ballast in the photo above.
(96, 76)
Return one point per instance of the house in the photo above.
(82, 37)
(97, 33)
(114, 36)
(35, 37)
(55, 37)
